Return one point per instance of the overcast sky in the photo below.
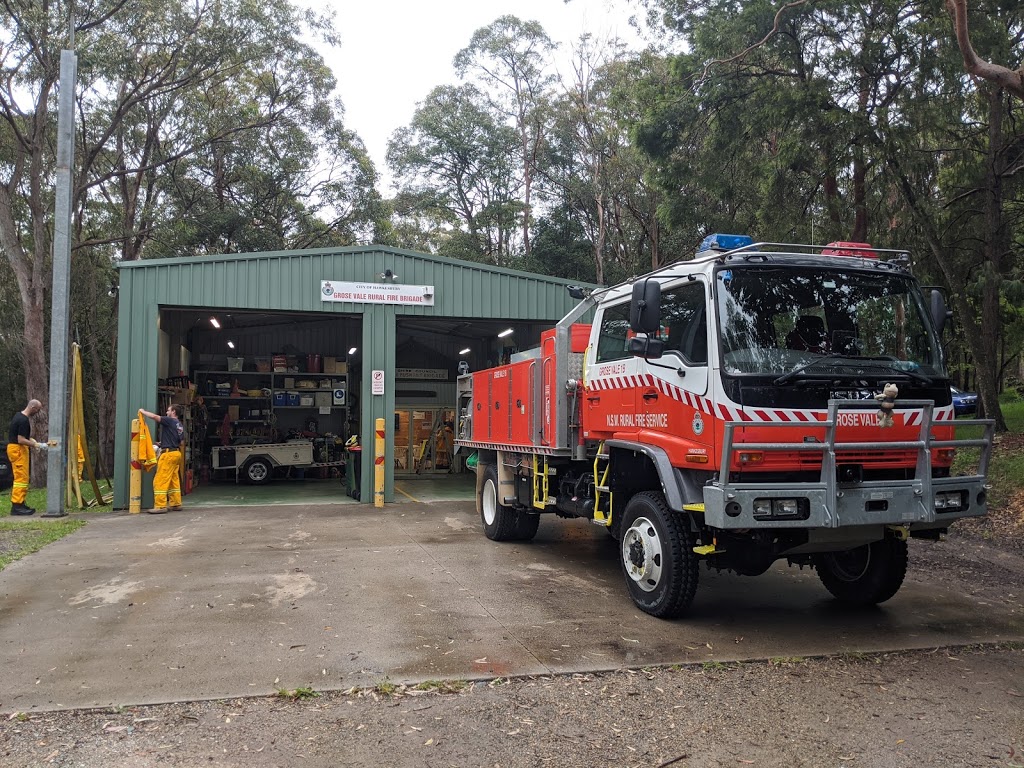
(393, 52)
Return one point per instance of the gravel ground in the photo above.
(947, 707)
(943, 707)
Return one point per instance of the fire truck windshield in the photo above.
(812, 322)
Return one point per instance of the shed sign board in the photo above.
(377, 293)
(434, 374)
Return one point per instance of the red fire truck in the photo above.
(759, 402)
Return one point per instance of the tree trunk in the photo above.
(994, 246)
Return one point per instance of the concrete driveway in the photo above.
(225, 602)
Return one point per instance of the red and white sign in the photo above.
(377, 293)
(377, 381)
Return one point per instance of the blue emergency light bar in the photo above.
(720, 242)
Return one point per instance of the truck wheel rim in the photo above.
(490, 503)
(257, 472)
(642, 554)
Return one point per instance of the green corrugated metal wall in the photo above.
(290, 281)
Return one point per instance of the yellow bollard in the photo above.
(378, 464)
(135, 474)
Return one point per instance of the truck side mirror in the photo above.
(940, 314)
(646, 347)
(645, 308)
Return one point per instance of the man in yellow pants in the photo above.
(167, 483)
(19, 442)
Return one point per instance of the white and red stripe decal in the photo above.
(733, 413)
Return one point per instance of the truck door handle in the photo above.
(650, 395)
(594, 399)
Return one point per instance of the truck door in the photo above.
(675, 388)
(611, 379)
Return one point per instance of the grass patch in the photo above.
(37, 500)
(299, 694)
(441, 686)
(778, 661)
(23, 537)
(386, 688)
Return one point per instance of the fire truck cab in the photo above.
(759, 402)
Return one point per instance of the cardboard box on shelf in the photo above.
(233, 413)
(322, 399)
(330, 363)
(289, 382)
(235, 363)
(341, 367)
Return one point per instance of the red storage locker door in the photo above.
(549, 389)
(522, 401)
(500, 414)
(481, 410)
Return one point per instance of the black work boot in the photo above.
(21, 509)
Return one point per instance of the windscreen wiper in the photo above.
(874, 361)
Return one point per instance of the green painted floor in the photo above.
(418, 488)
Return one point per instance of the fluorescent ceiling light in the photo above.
(506, 332)
(231, 345)
(352, 351)
(464, 351)
(214, 322)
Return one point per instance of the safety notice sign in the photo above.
(378, 382)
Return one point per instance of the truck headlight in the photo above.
(949, 501)
(782, 509)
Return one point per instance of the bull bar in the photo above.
(835, 504)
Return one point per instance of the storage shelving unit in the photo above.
(266, 424)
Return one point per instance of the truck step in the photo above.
(602, 489)
(708, 549)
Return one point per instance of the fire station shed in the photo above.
(309, 348)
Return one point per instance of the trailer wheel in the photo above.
(657, 557)
(500, 521)
(865, 575)
(257, 471)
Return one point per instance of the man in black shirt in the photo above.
(167, 483)
(19, 441)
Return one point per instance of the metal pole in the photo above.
(378, 464)
(59, 324)
(135, 473)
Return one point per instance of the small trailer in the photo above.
(255, 463)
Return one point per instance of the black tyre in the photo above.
(656, 552)
(500, 522)
(526, 525)
(866, 575)
(257, 471)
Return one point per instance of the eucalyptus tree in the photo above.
(590, 167)
(848, 121)
(454, 166)
(170, 96)
(509, 58)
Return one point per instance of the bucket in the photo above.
(313, 363)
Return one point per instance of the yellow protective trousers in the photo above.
(167, 483)
(18, 455)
